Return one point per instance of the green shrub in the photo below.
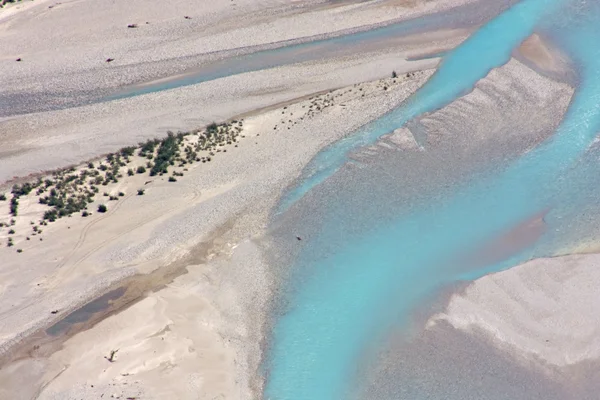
(148, 147)
(2, 197)
(11, 232)
(127, 151)
(212, 128)
(14, 206)
(140, 192)
(23, 190)
(164, 157)
(121, 194)
(102, 208)
(141, 169)
(172, 179)
(130, 172)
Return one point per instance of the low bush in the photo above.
(14, 206)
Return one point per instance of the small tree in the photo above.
(102, 208)
(394, 74)
(140, 192)
(141, 169)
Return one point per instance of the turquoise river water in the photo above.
(378, 277)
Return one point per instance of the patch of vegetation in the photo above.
(69, 190)
(50, 215)
(165, 155)
(127, 151)
(146, 149)
(212, 128)
(14, 206)
(22, 190)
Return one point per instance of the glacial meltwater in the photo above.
(351, 284)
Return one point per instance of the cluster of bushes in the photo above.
(64, 204)
(165, 156)
(25, 189)
(127, 151)
(147, 148)
(18, 191)
(69, 191)
(4, 2)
